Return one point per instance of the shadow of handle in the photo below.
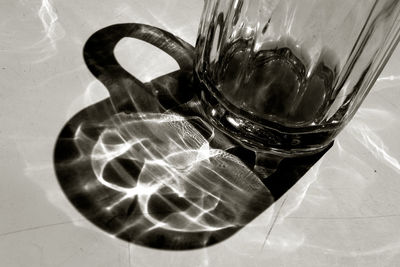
(126, 91)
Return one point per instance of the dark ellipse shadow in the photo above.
(112, 159)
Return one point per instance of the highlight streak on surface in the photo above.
(388, 78)
(51, 29)
(49, 17)
(375, 144)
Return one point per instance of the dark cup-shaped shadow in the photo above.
(145, 166)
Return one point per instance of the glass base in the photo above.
(262, 136)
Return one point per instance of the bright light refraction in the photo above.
(179, 172)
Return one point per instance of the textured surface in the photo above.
(344, 212)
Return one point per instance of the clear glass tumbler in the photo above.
(285, 76)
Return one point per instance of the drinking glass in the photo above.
(285, 76)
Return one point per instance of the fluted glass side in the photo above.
(286, 75)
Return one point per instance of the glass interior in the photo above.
(296, 64)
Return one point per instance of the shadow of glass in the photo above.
(145, 166)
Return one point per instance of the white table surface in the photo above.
(344, 212)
